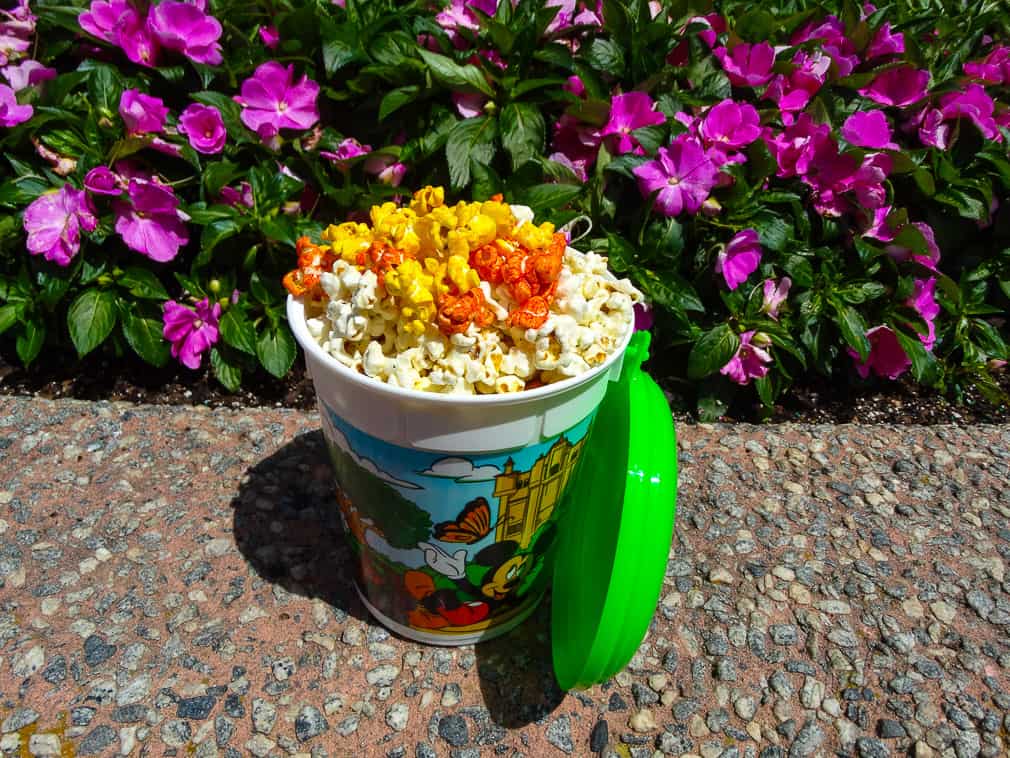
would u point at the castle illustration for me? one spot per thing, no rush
(527, 498)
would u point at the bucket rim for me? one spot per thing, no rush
(296, 320)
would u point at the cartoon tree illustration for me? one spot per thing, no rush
(400, 521)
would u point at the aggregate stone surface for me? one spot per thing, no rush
(173, 582)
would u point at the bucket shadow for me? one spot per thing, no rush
(515, 673)
(286, 524)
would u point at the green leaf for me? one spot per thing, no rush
(30, 340)
(105, 87)
(469, 140)
(228, 372)
(713, 351)
(238, 331)
(145, 335)
(276, 351)
(339, 44)
(670, 290)
(216, 232)
(924, 367)
(142, 283)
(91, 318)
(621, 254)
(265, 291)
(604, 55)
(396, 99)
(8, 317)
(216, 175)
(775, 233)
(450, 74)
(548, 197)
(756, 26)
(522, 132)
(853, 329)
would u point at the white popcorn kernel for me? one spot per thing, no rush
(509, 383)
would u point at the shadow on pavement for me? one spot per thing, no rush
(286, 525)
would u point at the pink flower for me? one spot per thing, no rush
(238, 196)
(923, 302)
(104, 19)
(792, 93)
(137, 40)
(794, 149)
(869, 129)
(348, 149)
(186, 29)
(469, 104)
(191, 331)
(270, 37)
(102, 181)
(458, 16)
(750, 360)
(142, 113)
(884, 42)
(27, 74)
(740, 258)
(682, 174)
(630, 111)
(877, 227)
(775, 295)
(932, 257)
(203, 126)
(993, 69)
(867, 183)
(974, 103)
(886, 359)
(386, 169)
(578, 141)
(575, 86)
(835, 44)
(899, 86)
(747, 65)
(271, 97)
(54, 221)
(11, 113)
(577, 167)
(730, 125)
(151, 223)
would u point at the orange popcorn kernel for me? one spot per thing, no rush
(313, 261)
(457, 311)
(381, 257)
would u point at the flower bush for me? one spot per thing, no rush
(800, 188)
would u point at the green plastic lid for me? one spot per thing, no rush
(618, 525)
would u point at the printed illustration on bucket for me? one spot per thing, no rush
(451, 548)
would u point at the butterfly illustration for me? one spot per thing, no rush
(471, 525)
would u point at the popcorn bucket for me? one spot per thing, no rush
(451, 503)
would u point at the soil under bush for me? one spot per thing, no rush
(129, 379)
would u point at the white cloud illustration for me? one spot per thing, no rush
(461, 470)
(340, 440)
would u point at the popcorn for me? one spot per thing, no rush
(473, 298)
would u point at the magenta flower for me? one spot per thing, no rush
(272, 97)
(191, 331)
(993, 69)
(740, 258)
(203, 125)
(869, 129)
(270, 37)
(151, 223)
(887, 359)
(932, 257)
(11, 113)
(899, 86)
(747, 65)
(775, 295)
(142, 113)
(885, 42)
(104, 19)
(242, 195)
(575, 86)
(923, 302)
(137, 40)
(730, 125)
(27, 74)
(458, 16)
(577, 141)
(102, 181)
(347, 150)
(798, 144)
(867, 182)
(682, 174)
(834, 43)
(750, 360)
(386, 169)
(973, 104)
(791, 93)
(578, 167)
(187, 29)
(877, 226)
(630, 111)
(54, 221)
(469, 104)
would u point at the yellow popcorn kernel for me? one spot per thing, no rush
(501, 214)
(348, 239)
(426, 199)
(534, 236)
(380, 213)
(459, 273)
(415, 291)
